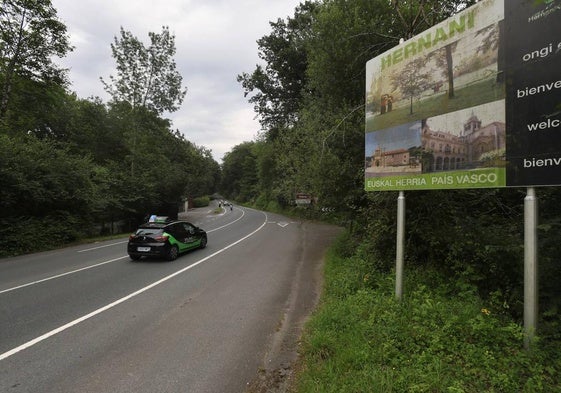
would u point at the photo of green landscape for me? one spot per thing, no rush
(462, 74)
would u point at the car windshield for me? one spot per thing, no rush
(148, 231)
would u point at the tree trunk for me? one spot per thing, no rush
(501, 55)
(450, 70)
(7, 86)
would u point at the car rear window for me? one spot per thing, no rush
(148, 231)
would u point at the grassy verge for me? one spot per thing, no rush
(440, 338)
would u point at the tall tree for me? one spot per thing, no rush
(277, 89)
(30, 35)
(146, 76)
(147, 79)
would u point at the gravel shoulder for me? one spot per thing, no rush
(280, 364)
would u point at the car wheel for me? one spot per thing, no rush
(173, 252)
(135, 257)
(203, 242)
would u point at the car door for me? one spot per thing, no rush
(179, 234)
(191, 239)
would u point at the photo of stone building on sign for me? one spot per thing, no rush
(395, 151)
(473, 144)
(467, 139)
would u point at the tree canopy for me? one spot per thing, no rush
(65, 161)
(147, 77)
(277, 90)
(30, 35)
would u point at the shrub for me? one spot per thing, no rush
(201, 201)
(26, 234)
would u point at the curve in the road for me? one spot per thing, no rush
(125, 298)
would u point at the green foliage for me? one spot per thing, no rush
(346, 35)
(83, 167)
(74, 167)
(201, 201)
(441, 338)
(38, 177)
(277, 89)
(30, 36)
(146, 76)
(36, 107)
(93, 130)
(239, 173)
(472, 235)
(26, 234)
(549, 235)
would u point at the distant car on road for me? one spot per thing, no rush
(166, 239)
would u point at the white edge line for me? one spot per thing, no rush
(60, 275)
(98, 247)
(121, 300)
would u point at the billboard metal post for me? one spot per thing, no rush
(400, 245)
(530, 266)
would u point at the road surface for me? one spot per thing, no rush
(88, 319)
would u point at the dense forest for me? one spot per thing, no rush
(309, 96)
(72, 167)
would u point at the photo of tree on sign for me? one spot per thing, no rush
(449, 68)
(411, 82)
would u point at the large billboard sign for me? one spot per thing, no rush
(473, 102)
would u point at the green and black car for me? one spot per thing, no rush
(165, 239)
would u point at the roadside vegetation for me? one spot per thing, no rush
(75, 167)
(442, 336)
(458, 328)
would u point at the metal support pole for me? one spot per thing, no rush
(400, 245)
(530, 266)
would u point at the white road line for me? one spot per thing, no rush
(224, 226)
(96, 265)
(61, 275)
(75, 322)
(107, 245)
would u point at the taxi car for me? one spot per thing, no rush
(166, 239)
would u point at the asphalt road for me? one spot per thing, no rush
(88, 319)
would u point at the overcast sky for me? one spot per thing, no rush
(215, 41)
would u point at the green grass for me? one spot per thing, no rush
(440, 338)
(476, 94)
